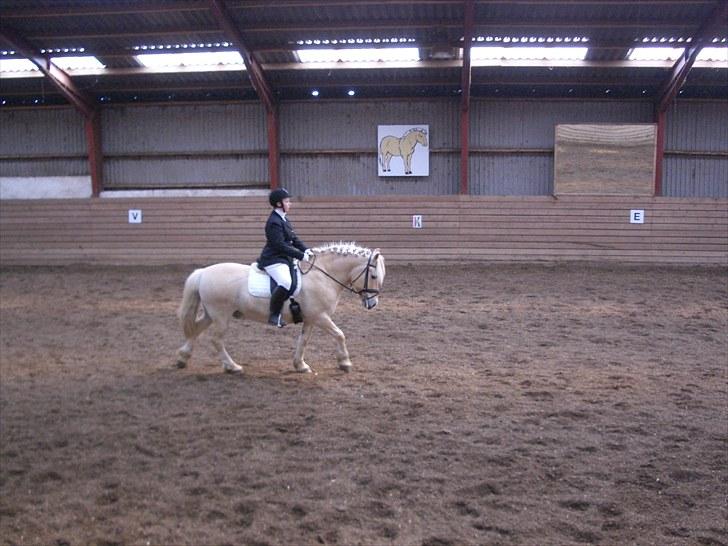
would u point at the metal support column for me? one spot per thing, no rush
(465, 97)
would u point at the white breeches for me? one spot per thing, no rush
(281, 274)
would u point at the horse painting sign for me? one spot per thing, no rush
(402, 150)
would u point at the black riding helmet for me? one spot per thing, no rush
(277, 196)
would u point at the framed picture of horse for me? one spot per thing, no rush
(402, 150)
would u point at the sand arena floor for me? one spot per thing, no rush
(571, 404)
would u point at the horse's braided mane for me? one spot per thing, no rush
(346, 249)
(412, 130)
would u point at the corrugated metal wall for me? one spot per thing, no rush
(694, 127)
(341, 138)
(511, 174)
(45, 142)
(185, 145)
(328, 147)
(526, 128)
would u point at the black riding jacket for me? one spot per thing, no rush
(282, 244)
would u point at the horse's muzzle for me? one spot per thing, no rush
(370, 303)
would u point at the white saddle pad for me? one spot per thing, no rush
(259, 282)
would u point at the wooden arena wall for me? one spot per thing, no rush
(455, 229)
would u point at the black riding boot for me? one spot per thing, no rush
(277, 298)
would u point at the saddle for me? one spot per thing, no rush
(260, 284)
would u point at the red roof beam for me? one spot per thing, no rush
(253, 67)
(58, 77)
(680, 70)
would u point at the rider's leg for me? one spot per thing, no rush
(282, 275)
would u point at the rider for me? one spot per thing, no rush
(282, 245)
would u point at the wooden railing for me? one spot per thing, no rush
(199, 231)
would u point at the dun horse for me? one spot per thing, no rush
(214, 295)
(392, 146)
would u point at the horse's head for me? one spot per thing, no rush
(421, 136)
(368, 283)
(354, 268)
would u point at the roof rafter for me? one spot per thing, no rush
(58, 77)
(680, 70)
(257, 76)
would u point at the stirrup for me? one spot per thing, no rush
(276, 320)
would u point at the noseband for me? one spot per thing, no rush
(366, 290)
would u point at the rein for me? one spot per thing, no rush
(365, 272)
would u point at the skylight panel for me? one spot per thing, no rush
(358, 55)
(77, 63)
(164, 60)
(655, 53)
(64, 63)
(488, 53)
(714, 54)
(16, 65)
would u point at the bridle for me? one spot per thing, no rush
(366, 290)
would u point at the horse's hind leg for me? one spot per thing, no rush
(184, 352)
(342, 354)
(218, 331)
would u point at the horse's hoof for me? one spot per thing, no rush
(345, 366)
(180, 364)
(303, 368)
(232, 368)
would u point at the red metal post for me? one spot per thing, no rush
(659, 149)
(465, 97)
(259, 81)
(273, 154)
(679, 73)
(464, 150)
(95, 155)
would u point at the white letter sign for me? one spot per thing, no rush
(637, 216)
(135, 216)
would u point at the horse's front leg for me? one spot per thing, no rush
(298, 363)
(408, 164)
(342, 354)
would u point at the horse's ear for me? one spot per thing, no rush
(375, 255)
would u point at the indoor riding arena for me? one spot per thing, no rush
(533, 193)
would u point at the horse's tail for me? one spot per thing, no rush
(187, 312)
